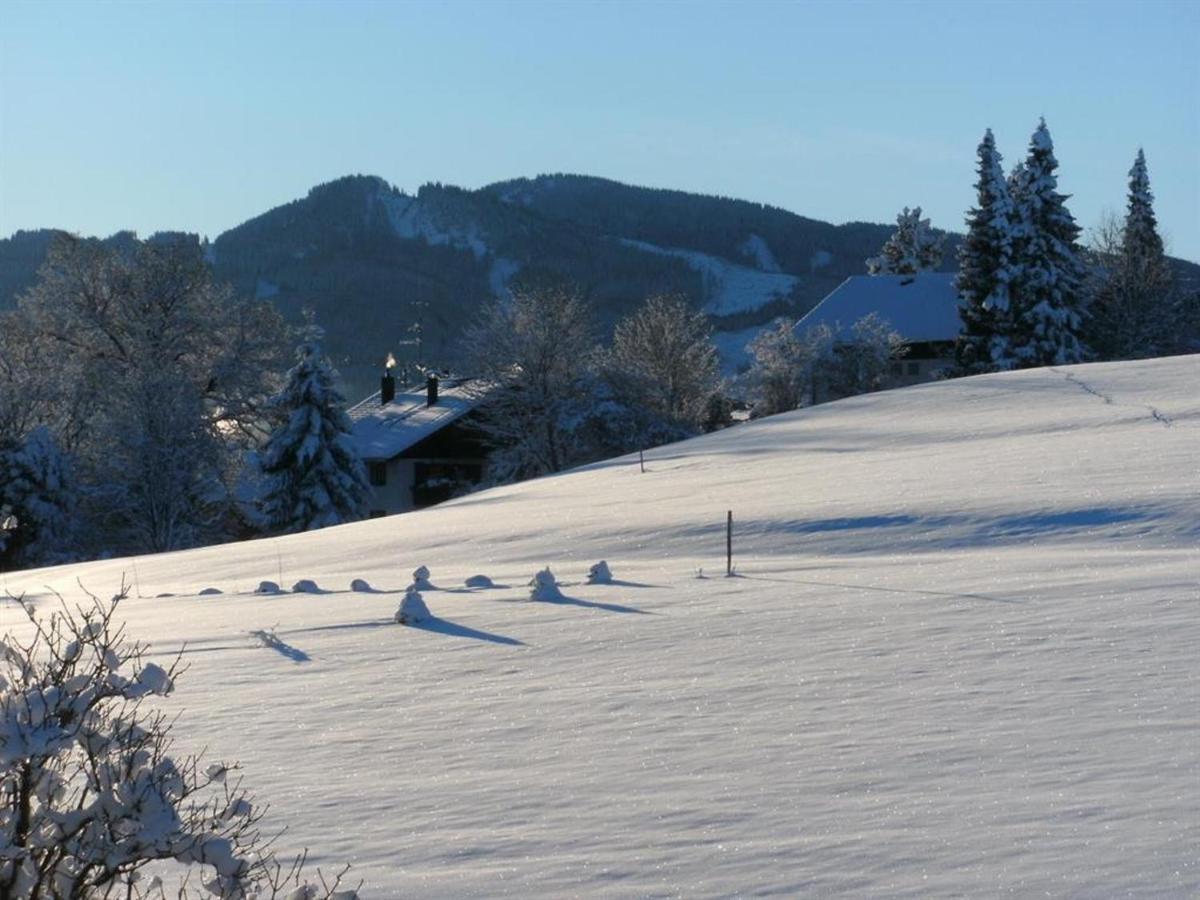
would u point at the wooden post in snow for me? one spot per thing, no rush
(642, 458)
(729, 544)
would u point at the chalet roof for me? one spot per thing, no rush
(383, 432)
(921, 307)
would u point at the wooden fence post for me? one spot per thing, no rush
(729, 544)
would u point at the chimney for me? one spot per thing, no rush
(387, 387)
(431, 389)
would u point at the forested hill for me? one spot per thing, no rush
(373, 260)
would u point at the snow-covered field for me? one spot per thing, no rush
(959, 659)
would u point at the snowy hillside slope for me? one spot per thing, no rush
(730, 288)
(959, 660)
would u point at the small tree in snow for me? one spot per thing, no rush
(90, 794)
(36, 487)
(1046, 295)
(313, 476)
(985, 265)
(913, 248)
(1135, 310)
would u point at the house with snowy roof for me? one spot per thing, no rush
(421, 445)
(923, 308)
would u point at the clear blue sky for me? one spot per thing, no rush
(197, 116)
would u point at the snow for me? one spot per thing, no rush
(731, 347)
(921, 307)
(600, 573)
(382, 432)
(411, 219)
(959, 660)
(731, 288)
(413, 610)
(757, 248)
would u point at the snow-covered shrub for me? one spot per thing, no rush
(90, 793)
(361, 586)
(413, 610)
(305, 586)
(267, 587)
(420, 580)
(600, 574)
(479, 581)
(543, 586)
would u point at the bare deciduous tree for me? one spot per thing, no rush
(663, 360)
(532, 355)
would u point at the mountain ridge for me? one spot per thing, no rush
(378, 264)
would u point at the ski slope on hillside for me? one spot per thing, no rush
(729, 287)
(959, 658)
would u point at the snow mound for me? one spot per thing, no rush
(268, 587)
(543, 586)
(600, 574)
(420, 579)
(361, 586)
(305, 586)
(209, 591)
(479, 581)
(413, 610)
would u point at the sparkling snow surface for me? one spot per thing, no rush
(961, 659)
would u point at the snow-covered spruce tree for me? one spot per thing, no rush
(985, 265)
(1135, 311)
(534, 356)
(312, 474)
(1046, 296)
(90, 793)
(36, 486)
(912, 248)
(663, 361)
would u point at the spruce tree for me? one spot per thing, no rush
(1046, 297)
(1141, 237)
(985, 267)
(313, 476)
(911, 249)
(1135, 311)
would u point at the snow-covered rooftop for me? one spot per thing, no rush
(921, 307)
(384, 431)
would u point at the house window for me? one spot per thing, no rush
(377, 473)
(914, 368)
(897, 368)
